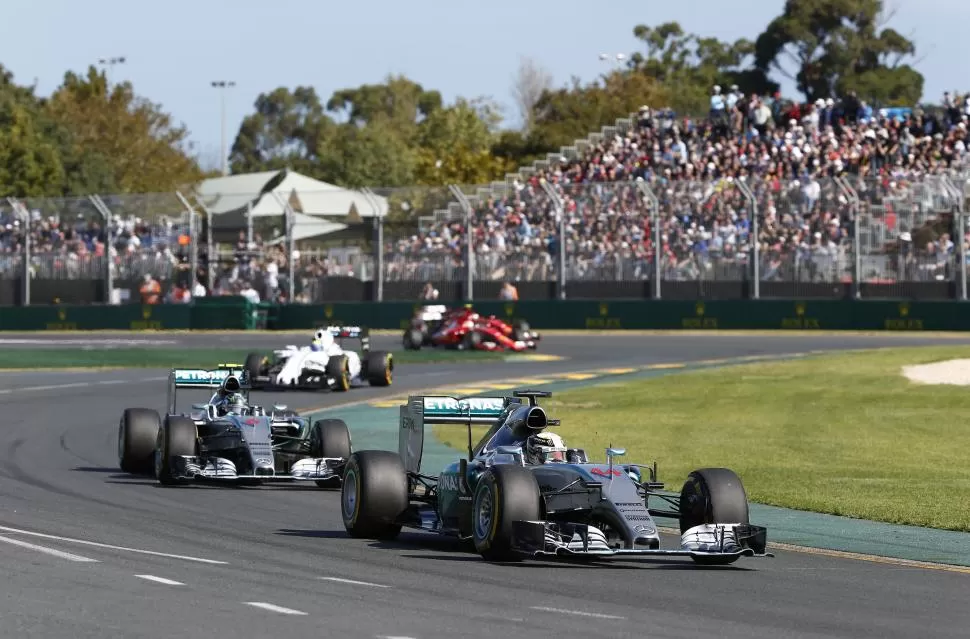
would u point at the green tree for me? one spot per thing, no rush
(288, 129)
(455, 144)
(688, 65)
(29, 163)
(831, 47)
(572, 112)
(116, 140)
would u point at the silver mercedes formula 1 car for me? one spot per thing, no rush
(228, 439)
(522, 493)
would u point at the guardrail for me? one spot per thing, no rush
(236, 313)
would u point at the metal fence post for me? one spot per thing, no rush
(209, 244)
(108, 273)
(193, 241)
(650, 196)
(961, 231)
(290, 220)
(853, 197)
(469, 248)
(379, 249)
(755, 253)
(557, 202)
(20, 209)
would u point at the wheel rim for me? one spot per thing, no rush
(388, 375)
(483, 514)
(349, 497)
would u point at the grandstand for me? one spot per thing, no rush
(827, 197)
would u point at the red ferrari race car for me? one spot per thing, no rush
(464, 329)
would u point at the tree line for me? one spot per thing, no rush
(92, 137)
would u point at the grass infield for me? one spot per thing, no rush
(169, 357)
(843, 434)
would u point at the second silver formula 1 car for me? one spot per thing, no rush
(228, 439)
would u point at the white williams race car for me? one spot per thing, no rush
(324, 364)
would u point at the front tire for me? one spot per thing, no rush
(178, 436)
(713, 496)
(338, 369)
(254, 365)
(330, 438)
(137, 432)
(504, 495)
(374, 494)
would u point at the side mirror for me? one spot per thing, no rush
(615, 452)
(279, 407)
(199, 406)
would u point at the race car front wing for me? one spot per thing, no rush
(561, 539)
(219, 469)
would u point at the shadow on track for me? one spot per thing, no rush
(450, 549)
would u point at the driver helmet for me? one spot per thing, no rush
(235, 404)
(546, 447)
(322, 340)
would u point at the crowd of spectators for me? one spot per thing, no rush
(786, 154)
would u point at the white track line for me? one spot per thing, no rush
(161, 580)
(48, 387)
(356, 583)
(274, 608)
(49, 551)
(110, 547)
(563, 611)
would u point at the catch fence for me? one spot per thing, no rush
(848, 236)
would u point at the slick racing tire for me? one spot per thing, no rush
(254, 364)
(137, 432)
(713, 496)
(413, 339)
(178, 436)
(471, 341)
(330, 438)
(521, 330)
(504, 494)
(379, 368)
(338, 369)
(374, 494)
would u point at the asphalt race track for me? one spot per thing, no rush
(90, 552)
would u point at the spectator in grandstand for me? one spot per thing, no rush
(150, 290)
(429, 292)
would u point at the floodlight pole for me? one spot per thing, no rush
(222, 85)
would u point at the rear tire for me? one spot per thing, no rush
(254, 364)
(413, 339)
(713, 496)
(330, 438)
(178, 436)
(504, 494)
(380, 368)
(137, 432)
(338, 369)
(374, 494)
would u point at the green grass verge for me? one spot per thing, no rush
(844, 434)
(165, 357)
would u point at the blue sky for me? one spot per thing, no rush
(176, 48)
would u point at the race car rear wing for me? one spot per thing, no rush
(422, 410)
(233, 376)
(351, 332)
